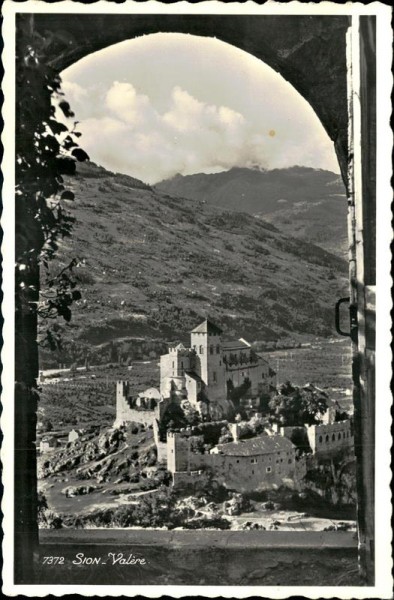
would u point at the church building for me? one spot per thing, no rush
(203, 373)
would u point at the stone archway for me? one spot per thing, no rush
(296, 47)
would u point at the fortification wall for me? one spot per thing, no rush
(125, 414)
(160, 446)
(328, 438)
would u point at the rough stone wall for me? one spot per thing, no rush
(124, 411)
(241, 473)
(186, 478)
(170, 374)
(177, 452)
(257, 373)
(192, 390)
(161, 447)
(248, 473)
(287, 432)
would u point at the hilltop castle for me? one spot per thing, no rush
(201, 375)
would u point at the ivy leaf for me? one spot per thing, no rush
(66, 165)
(57, 127)
(68, 143)
(80, 154)
(65, 107)
(68, 195)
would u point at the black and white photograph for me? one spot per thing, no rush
(196, 391)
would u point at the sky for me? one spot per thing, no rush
(171, 103)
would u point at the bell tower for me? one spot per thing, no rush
(206, 341)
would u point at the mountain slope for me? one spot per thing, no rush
(153, 265)
(306, 203)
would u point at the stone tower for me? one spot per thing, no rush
(207, 342)
(178, 452)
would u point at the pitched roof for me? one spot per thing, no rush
(193, 375)
(207, 327)
(264, 444)
(235, 345)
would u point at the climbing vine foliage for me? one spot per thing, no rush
(46, 150)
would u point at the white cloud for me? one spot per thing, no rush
(123, 100)
(127, 133)
(74, 91)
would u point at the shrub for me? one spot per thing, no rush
(208, 523)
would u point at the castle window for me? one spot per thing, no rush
(214, 376)
(327, 438)
(237, 461)
(253, 461)
(210, 349)
(218, 349)
(339, 436)
(333, 437)
(252, 472)
(320, 439)
(289, 461)
(201, 349)
(268, 469)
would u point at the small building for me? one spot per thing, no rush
(258, 463)
(73, 435)
(48, 444)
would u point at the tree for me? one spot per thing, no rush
(295, 406)
(300, 440)
(240, 392)
(173, 418)
(46, 150)
(264, 403)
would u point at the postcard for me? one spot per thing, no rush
(196, 253)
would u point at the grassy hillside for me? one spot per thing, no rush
(306, 203)
(152, 265)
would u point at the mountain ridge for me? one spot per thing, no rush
(153, 265)
(305, 202)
